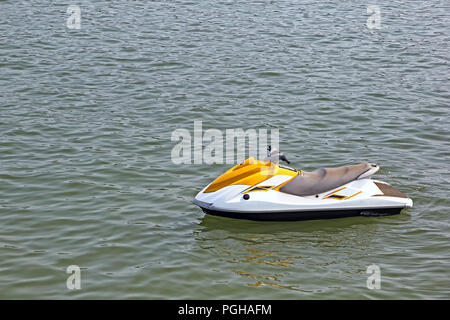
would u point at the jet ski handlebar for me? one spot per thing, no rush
(283, 158)
(273, 155)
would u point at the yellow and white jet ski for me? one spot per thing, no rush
(265, 190)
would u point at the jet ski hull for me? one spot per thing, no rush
(303, 215)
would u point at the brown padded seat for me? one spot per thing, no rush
(324, 179)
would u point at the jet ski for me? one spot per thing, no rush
(265, 190)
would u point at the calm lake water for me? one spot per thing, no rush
(86, 118)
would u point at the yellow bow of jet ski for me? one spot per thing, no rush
(265, 190)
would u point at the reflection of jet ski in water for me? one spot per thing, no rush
(264, 190)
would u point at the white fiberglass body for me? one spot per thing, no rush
(275, 198)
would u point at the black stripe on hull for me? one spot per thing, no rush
(303, 215)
